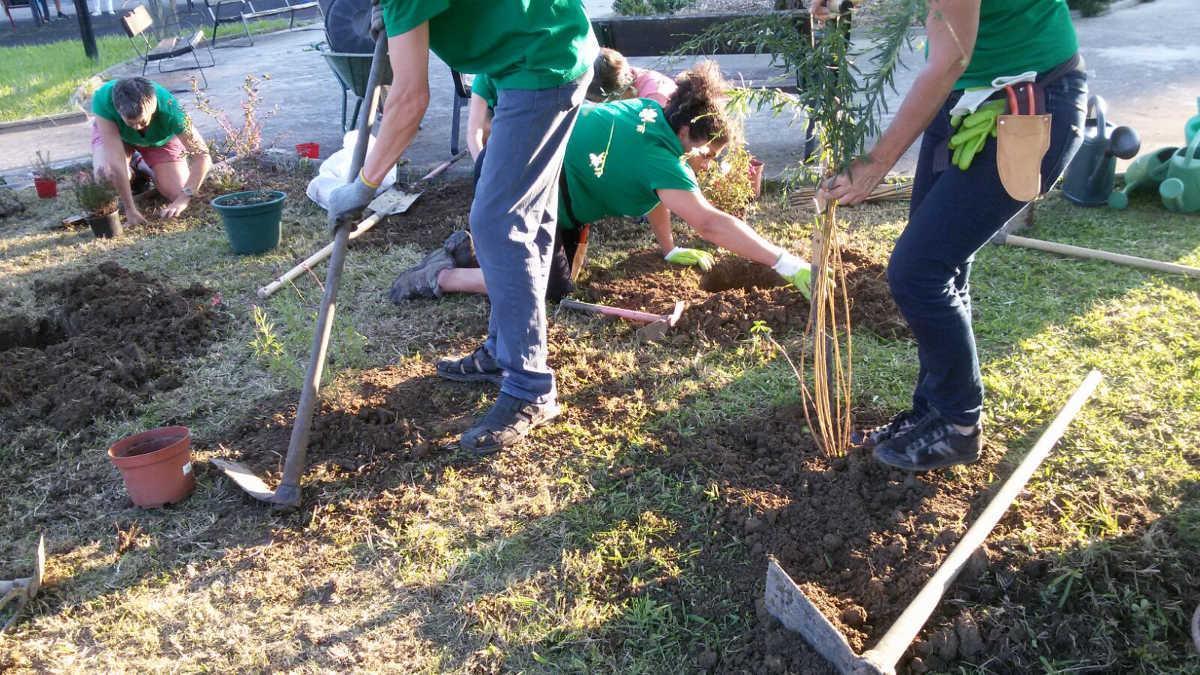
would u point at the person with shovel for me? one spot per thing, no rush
(1000, 104)
(135, 115)
(625, 158)
(539, 54)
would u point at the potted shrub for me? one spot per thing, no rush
(251, 219)
(44, 181)
(99, 202)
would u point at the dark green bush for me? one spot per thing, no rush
(644, 7)
(1089, 7)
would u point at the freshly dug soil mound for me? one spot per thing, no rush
(395, 414)
(114, 338)
(726, 301)
(859, 538)
(441, 209)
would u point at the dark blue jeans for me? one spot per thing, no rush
(953, 214)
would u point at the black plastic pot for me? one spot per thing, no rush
(106, 226)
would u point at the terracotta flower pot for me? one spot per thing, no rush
(47, 188)
(156, 465)
(756, 175)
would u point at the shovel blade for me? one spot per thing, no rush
(392, 202)
(786, 602)
(244, 478)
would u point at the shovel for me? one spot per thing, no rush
(287, 495)
(390, 203)
(21, 591)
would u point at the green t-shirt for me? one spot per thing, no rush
(1016, 36)
(619, 154)
(483, 87)
(532, 44)
(168, 121)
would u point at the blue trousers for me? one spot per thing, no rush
(513, 219)
(953, 214)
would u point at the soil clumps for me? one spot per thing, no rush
(113, 339)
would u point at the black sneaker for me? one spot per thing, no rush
(508, 422)
(461, 249)
(932, 443)
(478, 366)
(900, 423)
(420, 280)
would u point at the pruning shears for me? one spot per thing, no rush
(1014, 99)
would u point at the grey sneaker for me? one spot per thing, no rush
(478, 366)
(932, 443)
(461, 249)
(420, 280)
(900, 423)
(508, 422)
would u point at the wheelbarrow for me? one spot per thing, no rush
(351, 71)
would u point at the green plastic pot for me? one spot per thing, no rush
(251, 228)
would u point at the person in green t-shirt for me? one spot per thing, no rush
(539, 54)
(957, 206)
(135, 115)
(630, 158)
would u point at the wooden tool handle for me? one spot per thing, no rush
(1095, 254)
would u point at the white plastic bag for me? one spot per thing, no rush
(335, 171)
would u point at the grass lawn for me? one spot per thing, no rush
(631, 536)
(39, 80)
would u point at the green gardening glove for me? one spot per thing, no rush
(691, 256)
(973, 132)
(797, 272)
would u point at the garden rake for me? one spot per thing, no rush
(287, 495)
(787, 602)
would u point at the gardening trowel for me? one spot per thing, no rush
(287, 495)
(21, 591)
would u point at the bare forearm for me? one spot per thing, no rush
(660, 224)
(401, 119)
(198, 168)
(918, 109)
(734, 235)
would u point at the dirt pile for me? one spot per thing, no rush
(725, 302)
(442, 208)
(112, 339)
(858, 537)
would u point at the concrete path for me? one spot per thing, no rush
(1144, 60)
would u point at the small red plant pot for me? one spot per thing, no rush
(156, 466)
(309, 150)
(756, 175)
(47, 188)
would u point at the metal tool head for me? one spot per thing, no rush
(657, 330)
(284, 498)
(392, 201)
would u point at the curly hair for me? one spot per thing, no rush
(611, 76)
(699, 103)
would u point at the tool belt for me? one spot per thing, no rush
(1023, 135)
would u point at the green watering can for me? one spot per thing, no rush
(1145, 172)
(1181, 190)
(1193, 125)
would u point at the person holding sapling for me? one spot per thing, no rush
(625, 158)
(539, 54)
(140, 122)
(964, 191)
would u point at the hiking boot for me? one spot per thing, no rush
(932, 443)
(461, 249)
(900, 423)
(420, 280)
(508, 422)
(478, 366)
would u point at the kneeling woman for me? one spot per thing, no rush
(626, 158)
